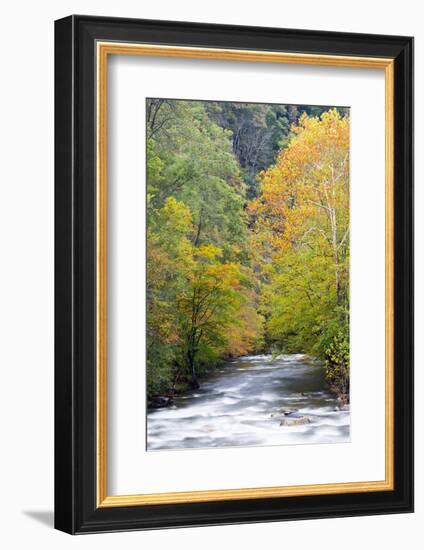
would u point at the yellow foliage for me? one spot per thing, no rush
(307, 190)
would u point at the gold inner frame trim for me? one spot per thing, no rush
(103, 50)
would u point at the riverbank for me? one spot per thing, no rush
(181, 388)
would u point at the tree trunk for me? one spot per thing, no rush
(190, 359)
(334, 242)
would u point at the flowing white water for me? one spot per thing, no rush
(243, 404)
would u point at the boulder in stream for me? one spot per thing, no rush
(295, 421)
(159, 401)
(284, 412)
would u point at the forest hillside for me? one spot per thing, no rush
(248, 237)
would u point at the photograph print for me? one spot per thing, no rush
(247, 287)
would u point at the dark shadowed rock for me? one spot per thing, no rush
(159, 401)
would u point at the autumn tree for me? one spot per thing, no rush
(303, 209)
(247, 236)
(198, 290)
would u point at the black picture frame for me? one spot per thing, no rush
(76, 510)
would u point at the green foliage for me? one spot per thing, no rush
(258, 132)
(239, 256)
(299, 301)
(200, 300)
(337, 364)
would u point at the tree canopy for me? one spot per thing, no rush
(248, 236)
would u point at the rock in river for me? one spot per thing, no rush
(159, 401)
(295, 421)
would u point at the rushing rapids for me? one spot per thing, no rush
(253, 400)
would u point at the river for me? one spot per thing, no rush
(253, 400)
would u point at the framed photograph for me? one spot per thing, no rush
(234, 274)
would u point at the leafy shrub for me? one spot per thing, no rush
(337, 359)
